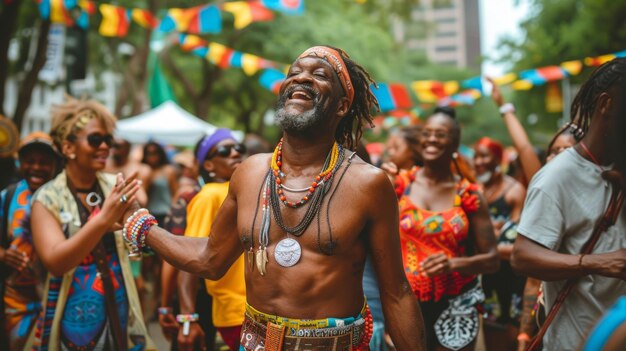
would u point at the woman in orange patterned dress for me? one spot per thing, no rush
(447, 238)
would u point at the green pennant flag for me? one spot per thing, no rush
(159, 90)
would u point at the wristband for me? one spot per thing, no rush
(186, 320)
(506, 108)
(523, 337)
(580, 260)
(165, 311)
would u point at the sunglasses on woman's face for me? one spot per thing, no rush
(225, 150)
(95, 140)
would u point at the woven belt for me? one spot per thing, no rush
(295, 325)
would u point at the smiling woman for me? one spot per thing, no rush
(446, 237)
(90, 296)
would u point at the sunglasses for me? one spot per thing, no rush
(96, 139)
(225, 150)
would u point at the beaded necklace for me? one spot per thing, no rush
(287, 252)
(327, 172)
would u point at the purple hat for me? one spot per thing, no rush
(209, 141)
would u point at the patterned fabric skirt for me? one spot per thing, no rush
(453, 322)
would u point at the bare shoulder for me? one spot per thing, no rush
(516, 190)
(368, 178)
(368, 190)
(252, 169)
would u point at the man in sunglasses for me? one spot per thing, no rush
(120, 162)
(305, 218)
(18, 288)
(217, 155)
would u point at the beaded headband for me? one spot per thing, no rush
(333, 57)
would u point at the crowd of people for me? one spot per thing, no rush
(307, 245)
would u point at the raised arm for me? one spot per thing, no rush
(400, 307)
(528, 158)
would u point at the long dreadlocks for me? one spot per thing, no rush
(350, 128)
(584, 104)
(600, 81)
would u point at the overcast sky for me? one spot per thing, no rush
(497, 19)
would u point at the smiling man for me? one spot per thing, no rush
(37, 160)
(305, 218)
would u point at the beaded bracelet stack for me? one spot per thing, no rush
(136, 230)
(185, 320)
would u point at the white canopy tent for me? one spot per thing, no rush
(168, 124)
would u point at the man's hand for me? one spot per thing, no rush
(169, 326)
(14, 258)
(195, 337)
(610, 264)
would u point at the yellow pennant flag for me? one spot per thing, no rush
(572, 67)
(241, 11)
(554, 100)
(505, 79)
(450, 87)
(250, 64)
(216, 51)
(114, 21)
(522, 85)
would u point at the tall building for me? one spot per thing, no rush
(448, 31)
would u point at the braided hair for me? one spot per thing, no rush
(600, 81)
(350, 128)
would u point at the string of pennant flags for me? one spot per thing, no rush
(204, 19)
(207, 19)
(397, 96)
(466, 92)
(226, 57)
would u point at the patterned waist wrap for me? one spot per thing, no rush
(264, 332)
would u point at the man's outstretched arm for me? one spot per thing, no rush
(403, 316)
(207, 257)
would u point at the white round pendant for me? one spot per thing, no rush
(287, 252)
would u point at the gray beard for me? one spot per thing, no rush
(299, 122)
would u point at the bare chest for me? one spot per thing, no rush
(330, 226)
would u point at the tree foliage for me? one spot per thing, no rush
(558, 31)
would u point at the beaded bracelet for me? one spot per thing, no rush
(136, 230)
(163, 311)
(186, 320)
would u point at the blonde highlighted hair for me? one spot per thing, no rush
(73, 115)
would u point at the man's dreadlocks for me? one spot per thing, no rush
(600, 81)
(350, 128)
(584, 104)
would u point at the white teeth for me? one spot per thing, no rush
(300, 95)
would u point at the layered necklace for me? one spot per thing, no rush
(288, 251)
